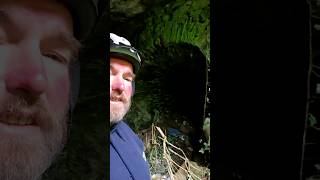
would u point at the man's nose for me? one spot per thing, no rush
(117, 85)
(26, 73)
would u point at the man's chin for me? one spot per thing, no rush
(26, 152)
(117, 113)
(114, 121)
(23, 157)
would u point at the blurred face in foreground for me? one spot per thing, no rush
(36, 47)
(121, 79)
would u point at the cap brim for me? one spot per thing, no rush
(126, 57)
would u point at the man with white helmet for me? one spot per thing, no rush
(127, 159)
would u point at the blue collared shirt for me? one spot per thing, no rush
(127, 155)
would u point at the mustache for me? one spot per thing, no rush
(19, 111)
(118, 97)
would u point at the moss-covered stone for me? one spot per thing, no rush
(126, 8)
(173, 33)
(179, 21)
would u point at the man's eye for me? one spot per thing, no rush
(56, 57)
(130, 79)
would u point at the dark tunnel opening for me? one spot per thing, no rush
(178, 74)
(185, 82)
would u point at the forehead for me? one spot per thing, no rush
(29, 12)
(120, 64)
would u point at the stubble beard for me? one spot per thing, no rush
(117, 112)
(25, 157)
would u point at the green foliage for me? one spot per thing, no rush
(206, 146)
(155, 154)
(178, 22)
(312, 121)
(206, 129)
(156, 161)
(139, 116)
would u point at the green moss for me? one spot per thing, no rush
(127, 8)
(178, 22)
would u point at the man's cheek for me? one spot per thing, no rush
(58, 88)
(60, 92)
(129, 90)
